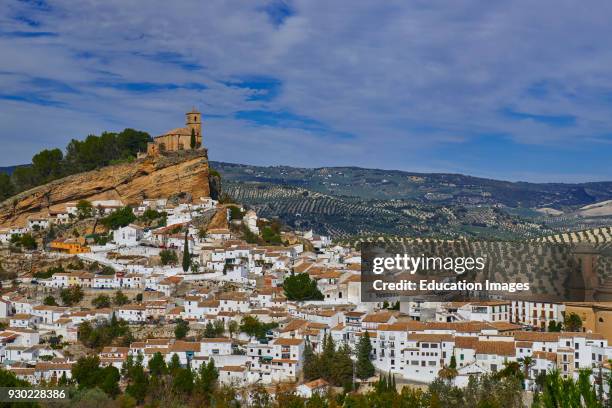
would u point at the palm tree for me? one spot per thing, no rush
(526, 363)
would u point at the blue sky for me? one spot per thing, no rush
(516, 90)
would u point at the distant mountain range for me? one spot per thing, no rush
(345, 201)
(8, 170)
(353, 201)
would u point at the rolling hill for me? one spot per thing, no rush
(349, 201)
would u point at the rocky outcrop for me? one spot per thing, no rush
(181, 174)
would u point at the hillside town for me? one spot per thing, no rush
(229, 301)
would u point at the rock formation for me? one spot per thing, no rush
(180, 174)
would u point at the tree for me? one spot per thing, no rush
(364, 367)
(88, 374)
(554, 326)
(50, 301)
(181, 329)
(7, 188)
(168, 257)
(219, 327)
(182, 381)
(175, 363)
(47, 165)
(27, 241)
(157, 365)
(526, 363)
(251, 326)
(120, 298)
(301, 287)
(453, 362)
(311, 363)
(207, 379)
(84, 209)
(209, 331)
(342, 368)
(186, 254)
(101, 302)
(71, 295)
(192, 141)
(232, 327)
(260, 398)
(104, 334)
(328, 356)
(119, 218)
(137, 379)
(572, 322)
(270, 236)
(110, 380)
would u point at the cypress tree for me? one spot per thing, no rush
(186, 255)
(365, 368)
(311, 363)
(328, 357)
(192, 142)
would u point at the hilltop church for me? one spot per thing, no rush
(179, 138)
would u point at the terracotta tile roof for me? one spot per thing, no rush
(235, 369)
(294, 325)
(402, 326)
(545, 355)
(380, 317)
(318, 383)
(185, 346)
(500, 348)
(537, 336)
(287, 342)
(466, 342)
(430, 338)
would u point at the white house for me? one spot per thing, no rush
(129, 235)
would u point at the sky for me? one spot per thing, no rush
(514, 90)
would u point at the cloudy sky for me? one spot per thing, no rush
(518, 90)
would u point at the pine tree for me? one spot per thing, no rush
(175, 363)
(342, 368)
(207, 379)
(138, 380)
(157, 365)
(364, 368)
(186, 255)
(327, 357)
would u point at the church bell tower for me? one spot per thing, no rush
(194, 121)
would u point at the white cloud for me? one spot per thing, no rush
(404, 78)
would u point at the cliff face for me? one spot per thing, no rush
(184, 174)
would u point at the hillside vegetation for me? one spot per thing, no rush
(346, 202)
(80, 155)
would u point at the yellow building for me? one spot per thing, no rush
(68, 246)
(596, 317)
(179, 138)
